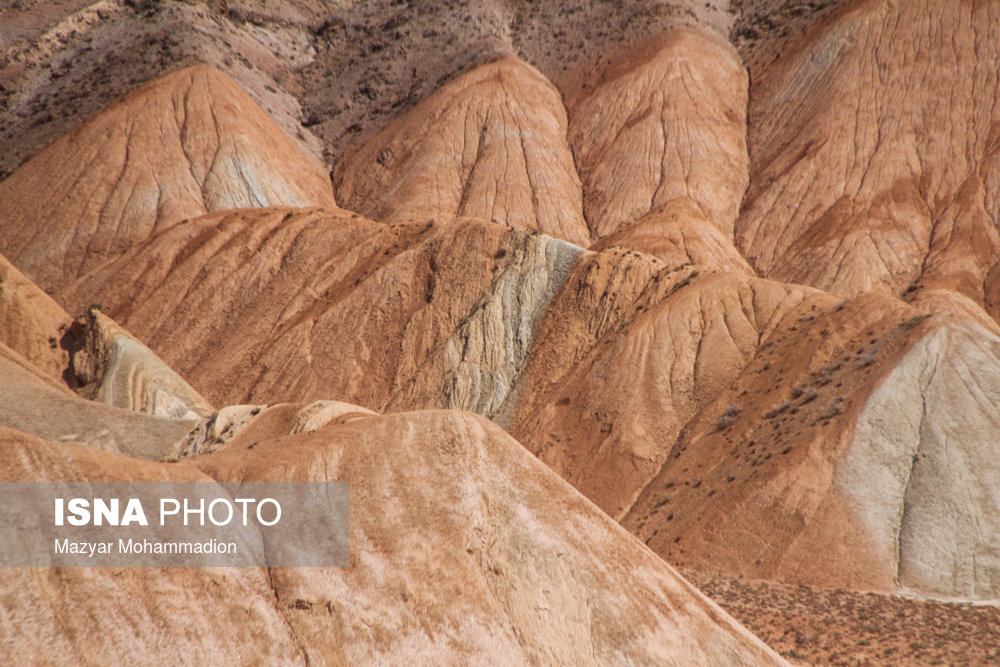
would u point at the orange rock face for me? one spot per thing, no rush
(377, 285)
(679, 233)
(483, 539)
(506, 560)
(663, 122)
(31, 323)
(185, 144)
(664, 310)
(609, 422)
(874, 153)
(626, 374)
(491, 145)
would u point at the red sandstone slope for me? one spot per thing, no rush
(615, 368)
(679, 233)
(31, 323)
(664, 121)
(511, 605)
(521, 567)
(512, 573)
(607, 365)
(185, 144)
(64, 60)
(874, 145)
(328, 304)
(803, 425)
(490, 144)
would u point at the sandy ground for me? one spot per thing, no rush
(836, 627)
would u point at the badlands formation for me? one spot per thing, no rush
(570, 294)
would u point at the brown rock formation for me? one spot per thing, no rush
(32, 325)
(870, 468)
(678, 232)
(185, 144)
(606, 411)
(91, 355)
(498, 552)
(623, 373)
(785, 368)
(665, 121)
(324, 297)
(505, 567)
(491, 144)
(64, 60)
(874, 152)
(508, 555)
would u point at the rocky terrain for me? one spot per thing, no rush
(839, 627)
(611, 289)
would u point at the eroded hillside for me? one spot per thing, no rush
(716, 281)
